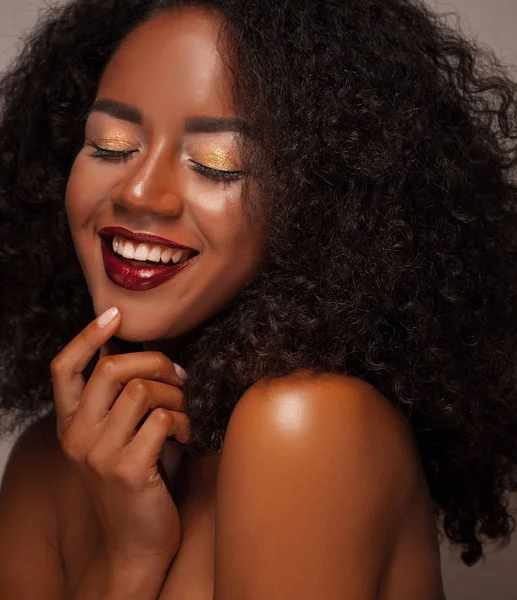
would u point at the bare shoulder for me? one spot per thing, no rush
(28, 515)
(35, 465)
(36, 452)
(333, 412)
(315, 468)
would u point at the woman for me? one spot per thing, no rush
(268, 252)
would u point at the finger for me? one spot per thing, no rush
(143, 451)
(67, 367)
(112, 373)
(136, 400)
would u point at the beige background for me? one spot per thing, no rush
(494, 23)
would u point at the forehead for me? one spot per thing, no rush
(171, 64)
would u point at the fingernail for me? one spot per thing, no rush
(107, 316)
(180, 371)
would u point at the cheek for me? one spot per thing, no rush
(221, 218)
(86, 187)
(247, 231)
(247, 237)
(243, 245)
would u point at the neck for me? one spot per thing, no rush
(173, 349)
(176, 349)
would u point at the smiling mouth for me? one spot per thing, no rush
(163, 257)
(139, 275)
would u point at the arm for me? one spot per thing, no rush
(314, 479)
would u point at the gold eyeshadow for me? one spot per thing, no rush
(218, 158)
(115, 142)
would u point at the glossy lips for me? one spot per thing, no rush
(135, 278)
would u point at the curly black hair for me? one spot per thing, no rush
(385, 150)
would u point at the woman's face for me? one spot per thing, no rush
(157, 139)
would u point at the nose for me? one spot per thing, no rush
(150, 185)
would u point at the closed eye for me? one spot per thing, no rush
(125, 155)
(216, 174)
(112, 155)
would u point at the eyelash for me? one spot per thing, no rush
(113, 155)
(124, 156)
(215, 174)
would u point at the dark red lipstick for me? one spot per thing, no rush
(133, 277)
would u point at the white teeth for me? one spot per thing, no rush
(128, 250)
(155, 254)
(141, 252)
(147, 252)
(166, 255)
(176, 257)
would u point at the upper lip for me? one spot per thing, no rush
(143, 237)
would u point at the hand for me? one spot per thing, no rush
(118, 464)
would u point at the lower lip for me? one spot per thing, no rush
(137, 279)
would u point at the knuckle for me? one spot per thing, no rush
(162, 416)
(107, 366)
(57, 364)
(138, 389)
(159, 361)
(93, 460)
(158, 357)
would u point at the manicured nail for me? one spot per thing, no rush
(180, 371)
(107, 316)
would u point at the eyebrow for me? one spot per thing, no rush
(119, 110)
(126, 112)
(214, 124)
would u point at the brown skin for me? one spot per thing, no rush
(96, 424)
(320, 494)
(171, 69)
(318, 491)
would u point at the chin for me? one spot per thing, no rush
(136, 333)
(140, 330)
(137, 325)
